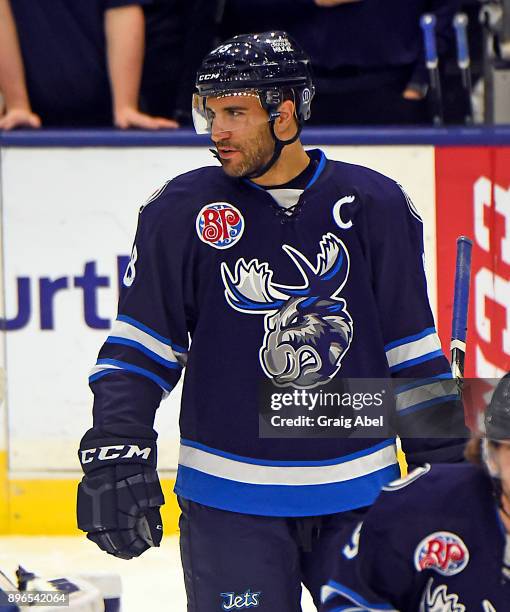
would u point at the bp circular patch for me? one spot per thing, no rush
(443, 552)
(220, 225)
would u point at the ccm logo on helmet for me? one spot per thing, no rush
(104, 453)
(206, 77)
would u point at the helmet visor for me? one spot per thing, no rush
(230, 111)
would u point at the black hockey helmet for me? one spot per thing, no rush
(497, 415)
(267, 63)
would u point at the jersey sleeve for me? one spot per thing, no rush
(143, 356)
(369, 575)
(429, 414)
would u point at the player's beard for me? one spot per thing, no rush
(254, 154)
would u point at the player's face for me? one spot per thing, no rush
(241, 133)
(502, 459)
(499, 464)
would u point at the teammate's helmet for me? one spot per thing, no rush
(497, 415)
(497, 432)
(269, 64)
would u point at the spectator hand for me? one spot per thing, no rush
(415, 92)
(19, 117)
(132, 118)
(326, 3)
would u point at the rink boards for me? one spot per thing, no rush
(69, 212)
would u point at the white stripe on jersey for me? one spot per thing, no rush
(410, 204)
(413, 350)
(432, 391)
(250, 473)
(102, 368)
(122, 329)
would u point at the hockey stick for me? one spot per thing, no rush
(460, 307)
(428, 25)
(460, 22)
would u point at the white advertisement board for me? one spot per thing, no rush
(69, 219)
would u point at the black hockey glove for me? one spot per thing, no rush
(120, 495)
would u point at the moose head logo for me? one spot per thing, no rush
(307, 328)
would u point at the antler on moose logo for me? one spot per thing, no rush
(308, 329)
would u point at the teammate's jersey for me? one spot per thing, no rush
(433, 543)
(337, 288)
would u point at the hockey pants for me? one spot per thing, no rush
(235, 561)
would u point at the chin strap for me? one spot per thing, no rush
(215, 154)
(278, 148)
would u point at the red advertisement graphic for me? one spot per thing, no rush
(473, 198)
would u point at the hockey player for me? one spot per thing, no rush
(438, 540)
(284, 269)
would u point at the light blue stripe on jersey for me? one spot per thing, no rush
(146, 351)
(102, 373)
(282, 500)
(120, 366)
(335, 588)
(407, 339)
(318, 171)
(284, 488)
(430, 392)
(151, 332)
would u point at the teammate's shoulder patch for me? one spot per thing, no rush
(401, 483)
(442, 551)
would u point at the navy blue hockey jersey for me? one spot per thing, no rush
(431, 543)
(224, 284)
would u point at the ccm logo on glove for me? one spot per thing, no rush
(105, 453)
